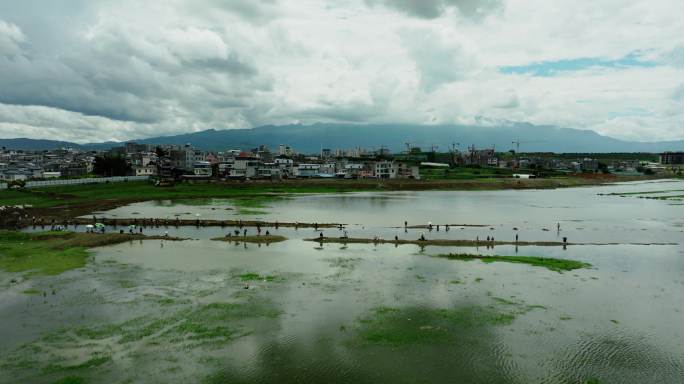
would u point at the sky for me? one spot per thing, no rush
(99, 70)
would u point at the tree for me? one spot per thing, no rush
(109, 165)
(160, 152)
(17, 184)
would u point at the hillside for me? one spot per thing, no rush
(311, 138)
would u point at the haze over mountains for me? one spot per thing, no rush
(311, 138)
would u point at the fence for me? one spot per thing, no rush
(94, 180)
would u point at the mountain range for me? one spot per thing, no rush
(312, 138)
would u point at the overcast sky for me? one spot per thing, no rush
(95, 70)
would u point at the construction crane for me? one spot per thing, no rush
(518, 142)
(517, 149)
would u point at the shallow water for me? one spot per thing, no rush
(146, 311)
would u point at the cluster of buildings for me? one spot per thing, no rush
(488, 157)
(189, 163)
(186, 162)
(31, 165)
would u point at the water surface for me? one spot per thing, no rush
(159, 311)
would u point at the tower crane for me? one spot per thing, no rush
(517, 143)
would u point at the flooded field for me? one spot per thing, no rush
(295, 311)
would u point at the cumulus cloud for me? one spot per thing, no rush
(90, 70)
(439, 59)
(430, 9)
(676, 57)
(11, 38)
(678, 94)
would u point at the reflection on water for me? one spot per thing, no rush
(201, 310)
(619, 356)
(584, 214)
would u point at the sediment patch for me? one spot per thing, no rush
(267, 239)
(458, 242)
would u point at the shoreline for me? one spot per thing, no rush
(63, 204)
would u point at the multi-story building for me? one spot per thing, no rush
(307, 170)
(202, 169)
(385, 170)
(245, 166)
(672, 158)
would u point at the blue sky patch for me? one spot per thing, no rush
(552, 68)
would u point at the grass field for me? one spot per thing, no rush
(75, 194)
(456, 179)
(51, 253)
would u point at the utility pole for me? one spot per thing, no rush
(453, 152)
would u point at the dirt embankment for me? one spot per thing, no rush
(265, 239)
(12, 217)
(457, 243)
(157, 223)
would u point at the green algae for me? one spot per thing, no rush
(256, 277)
(201, 326)
(254, 205)
(32, 292)
(429, 326)
(556, 265)
(501, 300)
(90, 363)
(71, 380)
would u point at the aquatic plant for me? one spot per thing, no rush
(203, 326)
(255, 276)
(557, 265)
(420, 325)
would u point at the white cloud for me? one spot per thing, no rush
(11, 38)
(102, 70)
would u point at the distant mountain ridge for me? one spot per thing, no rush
(34, 144)
(311, 138)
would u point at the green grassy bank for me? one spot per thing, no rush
(52, 253)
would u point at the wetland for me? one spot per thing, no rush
(580, 285)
